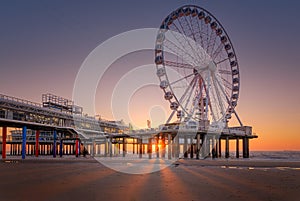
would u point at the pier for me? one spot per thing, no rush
(57, 127)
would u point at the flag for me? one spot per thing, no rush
(149, 123)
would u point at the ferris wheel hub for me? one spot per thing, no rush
(212, 66)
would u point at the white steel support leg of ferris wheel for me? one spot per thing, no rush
(171, 116)
(182, 97)
(193, 84)
(222, 107)
(207, 94)
(204, 146)
(208, 99)
(202, 116)
(235, 113)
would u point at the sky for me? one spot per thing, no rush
(44, 43)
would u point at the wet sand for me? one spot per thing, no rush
(86, 179)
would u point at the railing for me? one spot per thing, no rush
(80, 118)
(18, 100)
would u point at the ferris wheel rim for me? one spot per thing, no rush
(224, 33)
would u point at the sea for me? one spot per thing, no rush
(272, 155)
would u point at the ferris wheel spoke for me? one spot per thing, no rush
(217, 51)
(190, 27)
(181, 33)
(211, 43)
(207, 37)
(226, 83)
(181, 25)
(218, 94)
(206, 86)
(178, 65)
(193, 28)
(201, 32)
(223, 91)
(184, 95)
(200, 49)
(188, 107)
(183, 78)
(227, 72)
(197, 51)
(222, 61)
(198, 33)
(178, 51)
(187, 40)
(199, 55)
(196, 101)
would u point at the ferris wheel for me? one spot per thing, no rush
(197, 66)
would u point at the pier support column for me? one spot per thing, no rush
(163, 147)
(227, 148)
(61, 148)
(116, 149)
(204, 145)
(27, 149)
(169, 147)
(68, 149)
(150, 148)
(37, 136)
(237, 148)
(76, 147)
(140, 147)
(24, 132)
(220, 147)
(124, 147)
(54, 144)
(245, 147)
(133, 146)
(247, 140)
(198, 146)
(105, 147)
(192, 148)
(185, 147)
(93, 148)
(214, 147)
(110, 147)
(4, 134)
(217, 147)
(157, 147)
(177, 146)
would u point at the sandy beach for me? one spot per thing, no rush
(87, 179)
